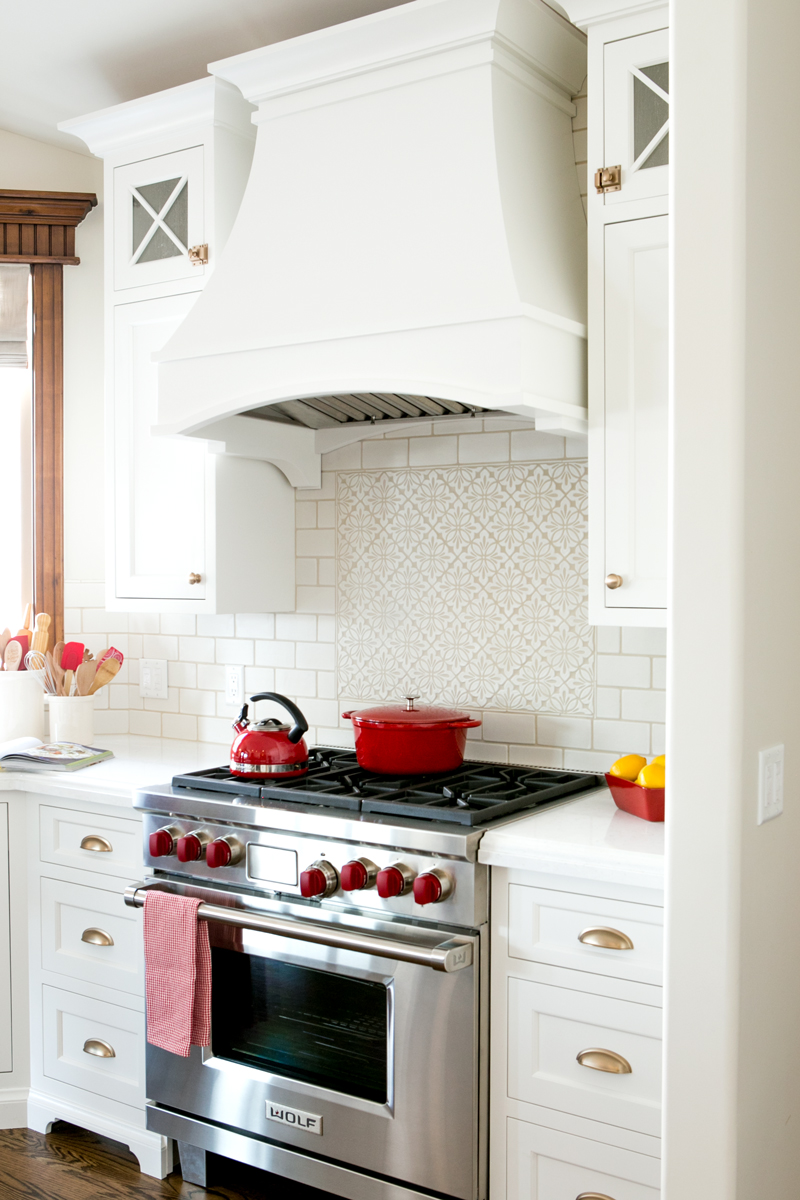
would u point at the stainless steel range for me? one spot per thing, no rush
(348, 917)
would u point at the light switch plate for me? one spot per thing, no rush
(153, 683)
(770, 784)
(234, 684)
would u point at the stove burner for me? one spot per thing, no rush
(471, 795)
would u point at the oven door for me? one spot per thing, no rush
(341, 1053)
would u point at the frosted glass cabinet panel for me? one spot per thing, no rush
(636, 115)
(158, 215)
(635, 418)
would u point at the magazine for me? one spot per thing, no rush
(30, 754)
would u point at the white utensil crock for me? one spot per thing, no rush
(21, 705)
(72, 719)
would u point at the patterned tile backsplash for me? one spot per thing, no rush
(451, 561)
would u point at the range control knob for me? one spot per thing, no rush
(192, 847)
(432, 886)
(358, 874)
(395, 881)
(224, 852)
(164, 841)
(319, 880)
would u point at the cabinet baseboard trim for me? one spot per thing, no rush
(153, 1151)
(13, 1108)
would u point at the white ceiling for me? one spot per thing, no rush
(71, 59)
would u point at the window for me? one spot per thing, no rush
(16, 582)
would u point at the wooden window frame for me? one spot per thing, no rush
(38, 228)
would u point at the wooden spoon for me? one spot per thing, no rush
(105, 673)
(13, 656)
(5, 638)
(42, 635)
(27, 621)
(84, 678)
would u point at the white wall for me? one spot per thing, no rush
(732, 1087)
(25, 163)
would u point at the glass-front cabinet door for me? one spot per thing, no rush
(158, 216)
(636, 115)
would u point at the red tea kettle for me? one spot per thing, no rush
(269, 749)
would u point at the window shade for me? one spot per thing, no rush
(14, 278)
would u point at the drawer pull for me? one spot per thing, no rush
(93, 841)
(98, 1048)
(97, 937)
(605, 1060)
(609, 939)
(594, 1196)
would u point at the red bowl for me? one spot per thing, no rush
(647, 803)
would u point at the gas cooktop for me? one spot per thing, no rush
(471, 795)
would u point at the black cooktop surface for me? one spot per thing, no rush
(470, 795)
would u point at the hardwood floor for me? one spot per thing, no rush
(72, 1164)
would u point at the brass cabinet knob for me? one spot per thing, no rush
(93, 841)
(97, 937)
(613, 581)
(604, 1060)
(609, 939)
(194, 577)
(98, 1048)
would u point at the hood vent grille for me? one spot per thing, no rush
(330, 412)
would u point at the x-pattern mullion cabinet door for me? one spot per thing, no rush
(636, 117)
(158, 216)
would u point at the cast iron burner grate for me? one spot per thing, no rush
(470, 795)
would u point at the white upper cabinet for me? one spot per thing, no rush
(636, 117)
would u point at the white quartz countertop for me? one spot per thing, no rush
(138, 762)
(588, 838)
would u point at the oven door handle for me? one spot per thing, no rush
(453, 955)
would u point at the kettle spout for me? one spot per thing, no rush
(241, 722)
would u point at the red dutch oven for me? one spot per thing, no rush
(392, 740)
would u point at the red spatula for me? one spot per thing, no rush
(71, 659)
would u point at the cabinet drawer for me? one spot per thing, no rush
(70, 910)
(545, 926)
(544, 1164)
(549, 1026)
(70, 1022)
(62, 831)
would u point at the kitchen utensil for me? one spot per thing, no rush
(87, 654)
(647, 803)
(27, 623)
(21, 640)
(37, 663)
(396, 740)
(5, 638)
(270, 748)
(104, 674)
(84, 678)
(72, 719)
(13, 655)
(112, 652)
(42, 635)
(71, 659)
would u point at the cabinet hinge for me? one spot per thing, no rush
(607, 179)
(198, 255)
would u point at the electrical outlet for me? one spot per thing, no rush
(153, 678)
(234, 685)
(770, 784)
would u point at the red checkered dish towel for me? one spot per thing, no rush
(177, 973)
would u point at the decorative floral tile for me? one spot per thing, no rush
(466, 585)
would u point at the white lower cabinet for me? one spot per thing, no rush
(545, 1164)
(89, 934)
(94, 1045)
(6, 1053)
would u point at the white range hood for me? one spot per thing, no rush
(411, 231)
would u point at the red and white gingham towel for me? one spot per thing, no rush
(177, 959)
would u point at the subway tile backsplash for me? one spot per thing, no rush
(556, 693)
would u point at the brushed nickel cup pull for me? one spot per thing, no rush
(609, 939)
(98, 1048)
(97, 937)
(594, 1196)
(604, 1060)
(613, 581)
(194, 577)
(93, 841)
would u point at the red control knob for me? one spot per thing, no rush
(218, 853)
(190, 848)
(427, 889)
(312, 883)
(394, 881)
(354, 876)
(162, 844)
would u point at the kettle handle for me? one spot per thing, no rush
(300, 723)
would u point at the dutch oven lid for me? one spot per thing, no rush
(393, 716)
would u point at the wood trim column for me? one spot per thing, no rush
(48, 444)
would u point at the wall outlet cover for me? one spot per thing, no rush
(234, 685)
(153, 681)
(770, 784)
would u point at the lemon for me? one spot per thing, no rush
(661, 761)
(628, 767)
(652, 776)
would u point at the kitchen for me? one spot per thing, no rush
(601, 694)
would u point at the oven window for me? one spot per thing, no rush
(316, 1026)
